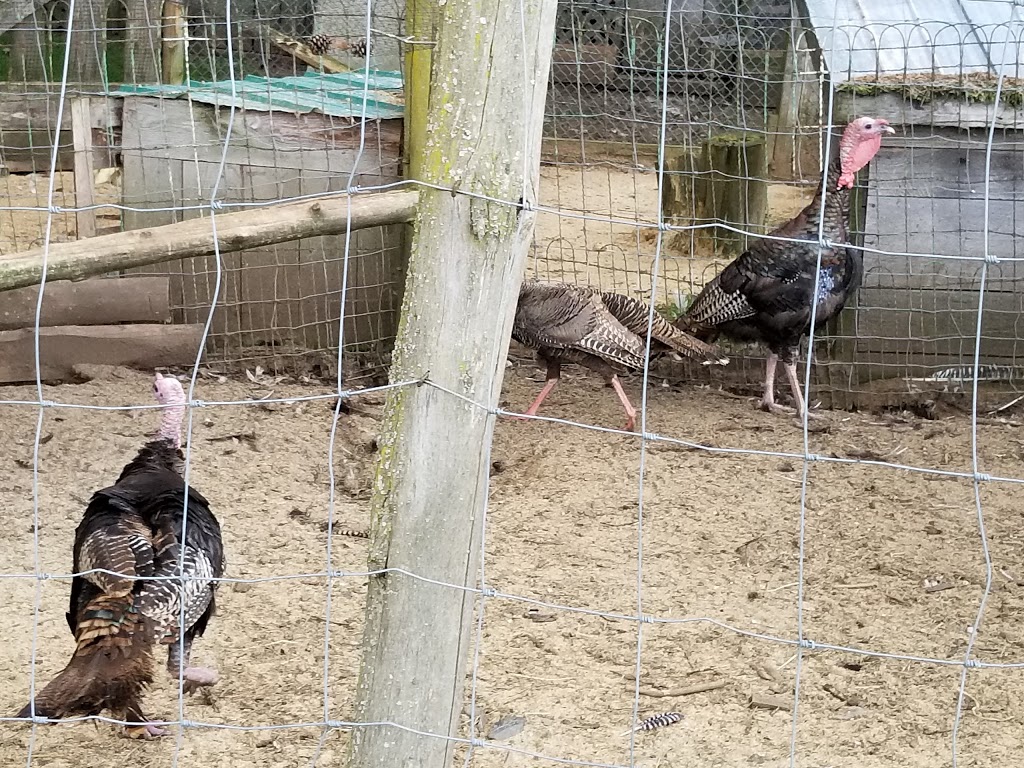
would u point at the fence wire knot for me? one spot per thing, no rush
(972, 664)
(334, 724)
(663, 226)
(982, 477)
(526, 205)
(189, 724)
(355, 189)
(810, 645)
(646, 619)
(649, 436)
(44, 576)
(39, 720)
(488, 592)
(991, 258)
(55, 209)
(217, 205)
(477, 742)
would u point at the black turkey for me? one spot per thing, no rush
(134, 529)
(605, 332)
(764, 294)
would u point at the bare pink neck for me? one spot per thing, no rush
(170, 425)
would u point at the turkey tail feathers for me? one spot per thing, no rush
(634, 315)
(110, 668)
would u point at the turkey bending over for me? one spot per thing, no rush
(605, 332)
(765, 293)
(133, 529)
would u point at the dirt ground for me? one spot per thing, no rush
(720, 543)
(893, 558)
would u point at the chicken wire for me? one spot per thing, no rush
(964, 664)
(261, 323)
(770, 79)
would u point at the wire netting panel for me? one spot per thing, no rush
(844, 591)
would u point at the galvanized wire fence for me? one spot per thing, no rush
(975, 647)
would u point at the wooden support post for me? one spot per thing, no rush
(172, 49)
(252, 228)
(81, 139)
(794, 147)
(731, 187)
(420, 23)
(468, 257)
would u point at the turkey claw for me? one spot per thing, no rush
(194, 678)
(780, 410)
(145, 731)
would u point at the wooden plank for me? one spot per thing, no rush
(81, 136)
(929, 327)
(900, 110)
(33, 106)
(100, 301)
(63, 347)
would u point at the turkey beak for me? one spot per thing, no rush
(888, 129)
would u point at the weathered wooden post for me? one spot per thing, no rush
(485, 115)
(730, 187)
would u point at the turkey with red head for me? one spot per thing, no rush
(130, 531)
(765, 294)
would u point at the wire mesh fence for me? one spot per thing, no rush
(843, 597)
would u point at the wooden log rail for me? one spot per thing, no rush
(250, 228)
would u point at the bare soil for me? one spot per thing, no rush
(720, 547)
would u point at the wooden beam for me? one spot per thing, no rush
(468, 256)
(64, 347)
(89, 302)
(903, 110)
(81, 139)
(251, 228)
(172, 49)
(295, 47)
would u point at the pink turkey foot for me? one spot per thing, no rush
(145, 731)
(198, 677)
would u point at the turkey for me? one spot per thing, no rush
(764, 295)
(605, 332)
(133, 529)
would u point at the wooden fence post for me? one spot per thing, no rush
(468, 256)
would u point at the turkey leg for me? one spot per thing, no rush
(178, 666)
(138, 725)
(794, 384)
(554, 374)
(628, 406)
(768, 398)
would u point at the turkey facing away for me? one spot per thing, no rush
(133, 529)
(765, 293)
(605, 332)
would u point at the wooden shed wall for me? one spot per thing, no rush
(927, 196)
(286, 296)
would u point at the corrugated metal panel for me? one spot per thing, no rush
(339, 95)
(886, 37)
